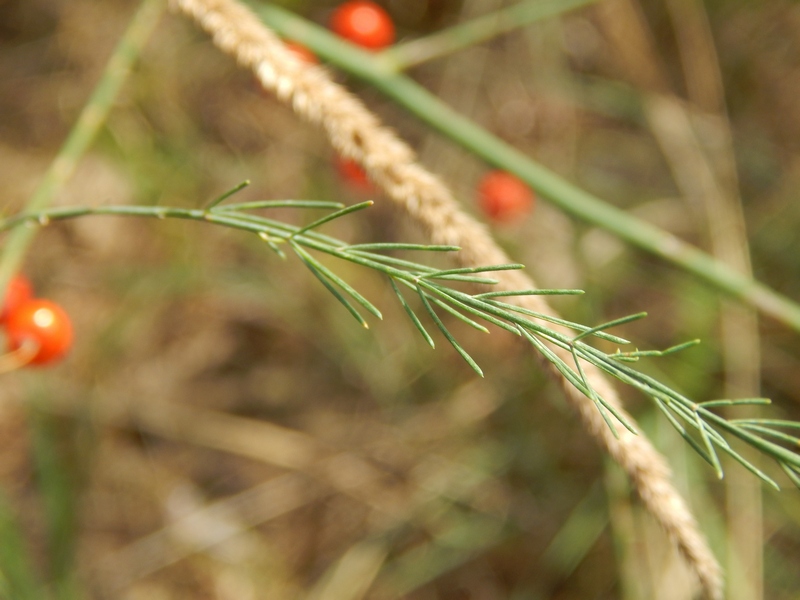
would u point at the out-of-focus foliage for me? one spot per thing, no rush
(223, 429)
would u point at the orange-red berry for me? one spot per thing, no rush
(364, 23)
(302, 53)
(19, 291)
(351, 172)
(43, 323)
(502, 197)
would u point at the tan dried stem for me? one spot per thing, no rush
(358, 134)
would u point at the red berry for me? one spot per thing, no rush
(353, 174)
(19, 291)
(364, 23)
(303, 53)
(46, 324)
(503, 197)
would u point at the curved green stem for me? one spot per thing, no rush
(379, 72)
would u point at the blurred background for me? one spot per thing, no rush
(223, 428)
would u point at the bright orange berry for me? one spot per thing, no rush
(364, 23)
(504, 198)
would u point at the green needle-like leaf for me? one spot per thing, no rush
(557, 321)
(450, 297)
(793, 474)
(271, 243)
(594, 397)
(610, 324)
(337, 280)
(737, 402)
(559, 364)
(599, 401)
(682, 431)
(778, 435)
(752, 468)
(333, 290)
(470, 361)
(335, 215)
(398, 246)
(227, 194)
(709, 446)
(767, 422)
(472, 270)
(457, 314)
(259, 204)
(554, 292)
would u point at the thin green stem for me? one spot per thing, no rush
(82, 134)
(547, 184)
(405, 55)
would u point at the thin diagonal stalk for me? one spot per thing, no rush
(82, 134)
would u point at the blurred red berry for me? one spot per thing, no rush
(44, 323)
(302, 53)
(364, 23)
(502, 197)
(353, 174)
(18, 292)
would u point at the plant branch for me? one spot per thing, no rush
(709, 426)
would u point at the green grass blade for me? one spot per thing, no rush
(57, 490)
(20, 581)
